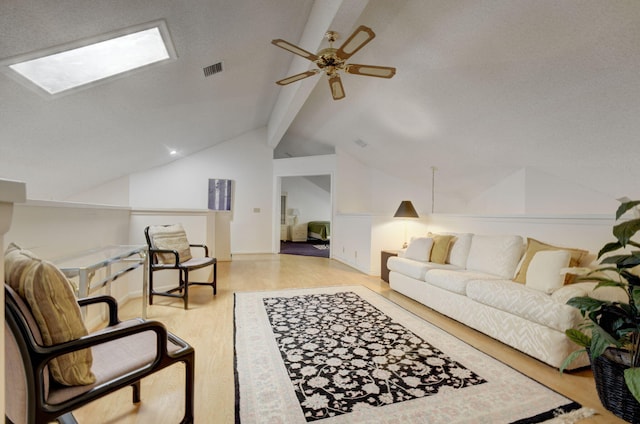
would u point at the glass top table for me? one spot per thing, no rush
(85, 264)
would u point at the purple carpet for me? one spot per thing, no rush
(304, 248)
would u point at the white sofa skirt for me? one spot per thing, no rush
(541, 342)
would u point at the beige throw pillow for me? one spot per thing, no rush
(440, 249)
(170, 237)
(534, 246)
(51, 299)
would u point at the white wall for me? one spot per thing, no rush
(506, 197)
(308, 165)
(56, 231)
(184, 184)
(115, 193)
(389, 191)
(312, 201)
(550, 194)
(533, 192)
(359, 238)
(351, 240)
(353, 185)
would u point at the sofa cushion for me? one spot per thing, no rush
(532, 305)
(419, 249)
(534, 246)
(497, 255)
(459, 250)
(453, 280)
(53, 304)
(588, 288)
(545, 270)
(412, 268)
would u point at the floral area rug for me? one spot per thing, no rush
(348, 355)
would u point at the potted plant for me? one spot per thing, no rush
(611, 331)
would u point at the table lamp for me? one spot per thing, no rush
(405, 210)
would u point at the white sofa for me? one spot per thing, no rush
(474, 285)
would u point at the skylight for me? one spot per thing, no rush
(85, 63)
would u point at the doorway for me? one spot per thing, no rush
(305, 214)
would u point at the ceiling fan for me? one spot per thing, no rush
(331, 60)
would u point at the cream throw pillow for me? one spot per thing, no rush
(544, 270)
(419, 249)
(171, 237)
(534, 246)
(50, 296)
(459, 251)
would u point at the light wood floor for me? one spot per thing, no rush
(208, 326)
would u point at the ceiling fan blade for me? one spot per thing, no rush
(361, 36)
(294, 49)
(296, 77)
(371, 70)
(337, 90)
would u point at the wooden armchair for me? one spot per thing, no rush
(170, 250)
(122, 354)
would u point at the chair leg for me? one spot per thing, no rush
(215, 278)
(189, 364)
(150, 282)
(185, 282)
(136, 391)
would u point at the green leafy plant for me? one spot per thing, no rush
(613, 324)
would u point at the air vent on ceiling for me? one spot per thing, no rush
(212, 69)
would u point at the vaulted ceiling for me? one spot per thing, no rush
(483, 89)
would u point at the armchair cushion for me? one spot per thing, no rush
(170, 237)
(51, 299)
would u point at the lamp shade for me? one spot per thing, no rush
(406, 210)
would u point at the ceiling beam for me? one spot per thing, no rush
(324, 15)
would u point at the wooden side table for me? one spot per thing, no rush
(384, 255)
(285, 232)
(299, 232)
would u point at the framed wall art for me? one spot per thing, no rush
(219, 194)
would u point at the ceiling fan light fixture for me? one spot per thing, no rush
(296, 77)
(337, 90)
(360, 37)
(332, 61)
(294, 49)
(371, 70)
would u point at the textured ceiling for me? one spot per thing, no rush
(486, 88)
(483, 89)
(64, 145)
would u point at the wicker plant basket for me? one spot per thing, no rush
(608, 372)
